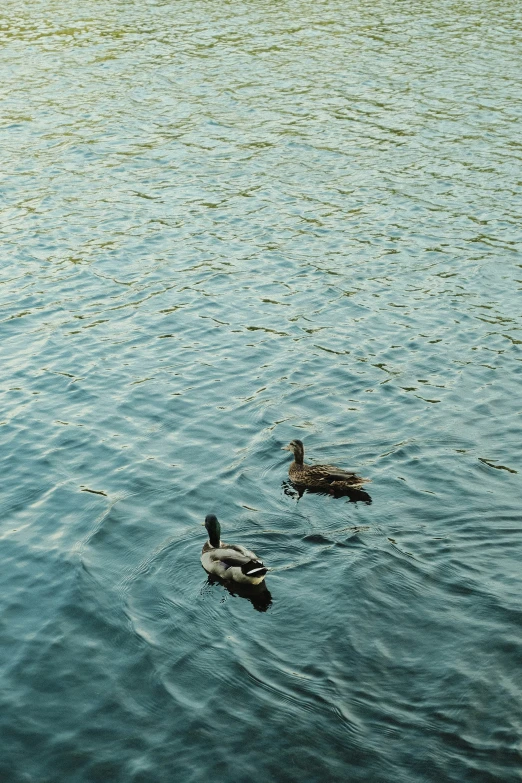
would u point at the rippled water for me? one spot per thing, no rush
(226, 225)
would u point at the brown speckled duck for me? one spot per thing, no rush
(327, 478)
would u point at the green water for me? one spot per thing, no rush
(224, 226)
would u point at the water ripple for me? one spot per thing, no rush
(225, 227)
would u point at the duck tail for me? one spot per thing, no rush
(254, 568)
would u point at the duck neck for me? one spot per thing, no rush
(214, 539)
(213, 530)
(299, 457)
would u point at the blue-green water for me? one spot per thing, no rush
(226, 225)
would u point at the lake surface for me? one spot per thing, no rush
(227, 225)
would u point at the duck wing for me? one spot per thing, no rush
(238, 557)
(238, 548)
(230, 556)
(333, 473)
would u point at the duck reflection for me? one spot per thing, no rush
(259, 595)
(354, 494)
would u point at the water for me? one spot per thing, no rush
(226, 225)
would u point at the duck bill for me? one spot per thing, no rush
(286, 448)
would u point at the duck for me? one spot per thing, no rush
(230, 562)
(326, 478)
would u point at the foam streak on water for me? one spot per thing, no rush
(224, 226)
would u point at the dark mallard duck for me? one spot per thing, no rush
(230, 561)
(326, 478)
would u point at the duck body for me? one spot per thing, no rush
(230, 562)
(326, 478)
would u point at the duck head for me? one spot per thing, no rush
(296, 446)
